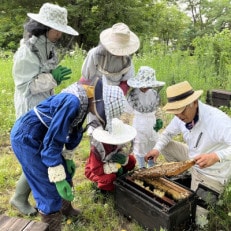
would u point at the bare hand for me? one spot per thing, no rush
(153, 154)
(205, 160)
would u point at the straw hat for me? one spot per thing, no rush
(146, 77)
(54, 17)
(121, 133)
(179, 96)
(109, 102)
(119, 40)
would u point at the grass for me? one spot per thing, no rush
(96, 216)
(101, 215)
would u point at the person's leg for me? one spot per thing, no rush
(48, 201)
(175, 151)
(67, 208)
(198, 178)
(53, 220)
(140, 161)
(20, 198)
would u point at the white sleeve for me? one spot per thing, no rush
(89, 66)
(26, 72)
(42, 83)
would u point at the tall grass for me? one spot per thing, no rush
(170, 67)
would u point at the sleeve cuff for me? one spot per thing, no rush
(57, 173)
(68, 154)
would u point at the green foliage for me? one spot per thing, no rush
(213, 54)
(171, 66)
(147, 18)
(7, 115)
(221, 214)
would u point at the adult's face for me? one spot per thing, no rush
(188, 114)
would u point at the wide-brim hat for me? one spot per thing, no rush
(121, 133)
(109, 102)
(119, 40)
(179, 96)
(54, 17)
(146, 77)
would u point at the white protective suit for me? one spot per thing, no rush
(212, 133)
(33, 63)
(144, 107)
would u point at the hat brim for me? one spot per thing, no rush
(119, 49)
(104, 136)
(99, 102)
(176, 111)
(65, 29)
(177, 107)
(135, 83)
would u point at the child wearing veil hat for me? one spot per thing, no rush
(143, 101)
(109, 157)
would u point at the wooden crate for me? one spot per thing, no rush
(19, 224)
(219, 98)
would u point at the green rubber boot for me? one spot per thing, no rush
(20, 197)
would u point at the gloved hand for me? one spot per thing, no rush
(71, 167)
(109, 167)
(120, 172)
(64, 190)
(119, 158)
(159, 125)
(60, 72)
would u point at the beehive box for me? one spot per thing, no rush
(218, 98)
(152, 212)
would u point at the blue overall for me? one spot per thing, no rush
(38, 144)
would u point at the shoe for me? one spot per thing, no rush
(68, 210)
(53, 220)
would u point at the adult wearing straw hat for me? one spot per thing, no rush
(36, 73)
(44, 140)
(207, 134)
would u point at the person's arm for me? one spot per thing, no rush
(64, 108)
(170, 131)
(89, 65)
(42, 83)
(221, 136)
(26, 72)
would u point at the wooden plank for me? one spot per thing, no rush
(20, 224)
(36, 226)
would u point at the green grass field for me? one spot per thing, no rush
(100, 216)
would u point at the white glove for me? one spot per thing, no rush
(68, 154)
(111, 167)
(56, 173)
